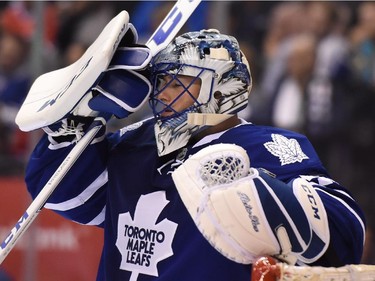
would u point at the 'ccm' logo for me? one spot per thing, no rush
(14, 230)
(312, 201)
(67, 86)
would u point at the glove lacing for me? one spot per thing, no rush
(68, 128)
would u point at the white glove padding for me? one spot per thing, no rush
(245, 213)
(58, 93)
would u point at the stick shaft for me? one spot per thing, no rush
(35, 207)
(171, 24)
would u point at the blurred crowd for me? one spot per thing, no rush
(313, 69)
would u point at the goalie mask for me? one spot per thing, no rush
(214, 61)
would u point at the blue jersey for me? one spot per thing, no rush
(121, 184)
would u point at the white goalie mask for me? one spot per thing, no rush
(225, 83)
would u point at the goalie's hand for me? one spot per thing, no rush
(245, 213)
(123, 88)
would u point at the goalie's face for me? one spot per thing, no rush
(197, 73)
(173, 94)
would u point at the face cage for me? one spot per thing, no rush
(158, 106)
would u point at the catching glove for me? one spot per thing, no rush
(245, 213)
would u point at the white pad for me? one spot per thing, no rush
(220, 195)
(206, 119)
(245, 213)
(56, 93)
(314, 209)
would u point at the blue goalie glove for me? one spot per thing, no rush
(245, 213)
(123, 89)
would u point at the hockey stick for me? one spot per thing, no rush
(163, 35)
(36, 206)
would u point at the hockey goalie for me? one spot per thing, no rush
(194, 192)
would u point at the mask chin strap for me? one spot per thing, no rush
(206, 119)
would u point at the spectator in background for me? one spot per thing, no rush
(20, 18)
(325, 21)
(362, 38)
(249, 19)
(289, 109)
(14, 86)
(19, 24)
(286, 20)
(81, 22)
(14, 79)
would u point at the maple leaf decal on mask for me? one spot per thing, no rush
(141, 241)
(288, 150)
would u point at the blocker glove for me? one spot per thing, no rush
(123, 89)
(106, 80)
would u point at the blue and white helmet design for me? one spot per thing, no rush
(224, 73)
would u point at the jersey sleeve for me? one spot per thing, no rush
(81, 195)
(346, 222)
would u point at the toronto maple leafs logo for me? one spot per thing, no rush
(288, 150)
(141, 242)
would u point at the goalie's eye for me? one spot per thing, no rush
(175, 84)
(160, 83)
